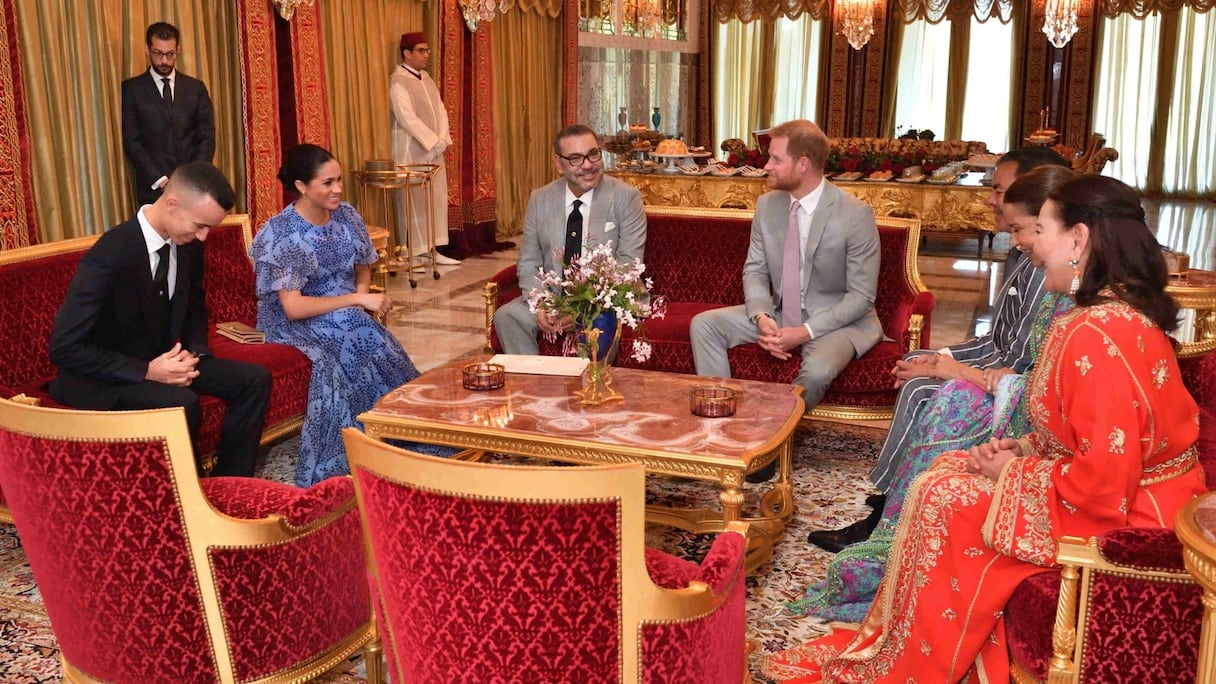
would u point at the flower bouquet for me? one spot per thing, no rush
(598, 295)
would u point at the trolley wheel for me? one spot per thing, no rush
(413, 283)
(435, 275)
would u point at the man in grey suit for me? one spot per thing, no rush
(811, 272)
(580, 210)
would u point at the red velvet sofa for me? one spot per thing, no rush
(695, 257)
(36, 280)
(1123, 609)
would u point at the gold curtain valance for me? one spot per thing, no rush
(1142, 8)
(768, 10)
(935, 11)
(548, 8)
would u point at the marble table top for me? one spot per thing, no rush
(654, 419)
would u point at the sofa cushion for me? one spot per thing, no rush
(697, 259)
(1029, 618)
(26, 320)
(1199, 374)
(228, 277)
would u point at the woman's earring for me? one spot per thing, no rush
(1076, 277)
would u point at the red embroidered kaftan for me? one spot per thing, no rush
(1113, 446)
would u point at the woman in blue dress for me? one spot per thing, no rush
(313, 284)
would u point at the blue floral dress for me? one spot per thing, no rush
(355, 360)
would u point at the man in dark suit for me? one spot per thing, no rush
(132, 331)
(166, 116)
(581, 209)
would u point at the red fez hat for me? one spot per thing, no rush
(409, 40)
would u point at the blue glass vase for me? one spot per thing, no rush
(606, 324)
(656, 118)
(597, 340)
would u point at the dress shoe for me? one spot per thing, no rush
(833, 541)
(763, 475)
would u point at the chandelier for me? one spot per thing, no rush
(857, 21)
(287, 8)
(480, 10)
(1061, 21)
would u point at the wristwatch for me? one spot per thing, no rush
(756, 318)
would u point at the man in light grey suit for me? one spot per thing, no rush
(580, 210)
(821, 299)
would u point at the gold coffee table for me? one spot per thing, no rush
(537, 416)
(1196, 529)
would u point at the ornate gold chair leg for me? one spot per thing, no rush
(373, 657)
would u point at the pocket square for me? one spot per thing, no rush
(609, 227)
(1013, 290)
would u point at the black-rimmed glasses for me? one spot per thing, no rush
(163, 55)
(577, 159)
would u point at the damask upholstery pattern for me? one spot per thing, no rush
(1199, 374)
(467, 597)
(288, 603)
(26, 320)
(228, 277)
(116, 503)
(718, 639)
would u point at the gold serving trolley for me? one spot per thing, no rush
(392, 178)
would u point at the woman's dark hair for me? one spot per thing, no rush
(1031, 189)
(1123, 253)
(301, 164)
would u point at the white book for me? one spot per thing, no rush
(541, 365)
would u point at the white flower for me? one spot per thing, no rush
(641, 351)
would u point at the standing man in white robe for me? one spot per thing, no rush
(420, 136)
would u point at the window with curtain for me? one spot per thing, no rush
(924, 79)
(987, 98)
(1164, 131)
(924, 72)
(742, 53)
(1190, 133)
(1125, 93)
(796, 77)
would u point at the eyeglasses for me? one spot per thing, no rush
(577, 159)
(425, 51)
(157, 54)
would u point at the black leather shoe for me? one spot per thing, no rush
(877, 501)
(833, 541)
(763, 475)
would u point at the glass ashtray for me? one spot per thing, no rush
(484, 376)
(712, 402)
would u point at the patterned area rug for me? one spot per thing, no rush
(830, 465)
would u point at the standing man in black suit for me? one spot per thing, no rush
(132, 331)
(166, 116)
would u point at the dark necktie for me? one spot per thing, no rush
(166, 92)
(574, 233)
(160, 281)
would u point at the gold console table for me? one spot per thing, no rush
(958, 210)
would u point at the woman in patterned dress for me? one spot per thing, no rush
(313, 285)
(959, 415)
(1113, 445)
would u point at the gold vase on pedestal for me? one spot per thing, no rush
(597, 376)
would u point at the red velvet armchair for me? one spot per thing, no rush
(149, 577)
(1122, 609)
(495, 573)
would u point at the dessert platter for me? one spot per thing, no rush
(752, 172)
(880, 176)
(982, 162)
(912, 174)
(674, 151)
(692, 168)
(848, 176)
(722, 170)
(947, 174)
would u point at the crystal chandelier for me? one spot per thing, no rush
(857, 21)
(287, 8)
(481, 10)
(1061, 21)
(643, 15)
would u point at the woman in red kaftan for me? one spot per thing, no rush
(1113, 445)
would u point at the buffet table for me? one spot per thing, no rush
(957, 210)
